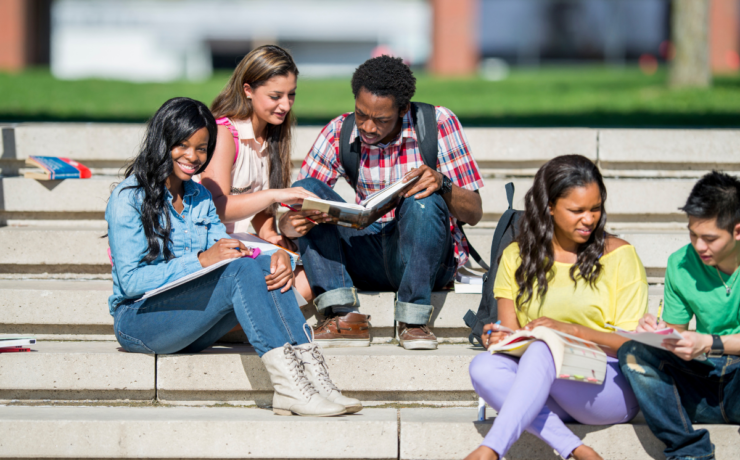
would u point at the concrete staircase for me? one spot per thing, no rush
(79, 396)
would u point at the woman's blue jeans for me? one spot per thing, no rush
(673, 394)
(411, 255)
(193, 316)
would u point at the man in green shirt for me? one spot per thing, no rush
(695, 379)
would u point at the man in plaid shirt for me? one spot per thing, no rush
(413, 249)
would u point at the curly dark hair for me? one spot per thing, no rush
(386, 76)
(173, 123)
(553, 181)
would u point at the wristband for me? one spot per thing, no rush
(718, 348)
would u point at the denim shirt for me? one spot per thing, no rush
(195, 230)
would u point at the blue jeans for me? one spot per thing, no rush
(674, 393)
(411, 255)
(193, 316)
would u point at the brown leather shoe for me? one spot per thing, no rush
(350, 330)
(416, 337)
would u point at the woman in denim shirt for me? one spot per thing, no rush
(163, 226)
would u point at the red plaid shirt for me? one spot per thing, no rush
(382, 165)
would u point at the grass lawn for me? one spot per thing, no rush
(564, 96)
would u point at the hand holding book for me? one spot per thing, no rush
(429, 181)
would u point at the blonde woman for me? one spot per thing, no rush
(249, 174)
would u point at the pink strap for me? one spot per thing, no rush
(225, 122)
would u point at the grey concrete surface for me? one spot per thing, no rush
(77, 370)
(78, 310)
(79, 141)
(82, 250)
(672, 148)
(442, 434)
(382, 373)
(529, 146)
(42, 250)
(129, 432)
(87, 199)
(58, 196)
(510, 146)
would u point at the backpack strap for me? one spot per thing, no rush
(349, 154)
(427, 131)
(425, 123)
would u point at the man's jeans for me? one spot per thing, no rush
(411, 255)
(193, 316)
(674, 393)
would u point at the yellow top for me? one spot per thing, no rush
(619, 296)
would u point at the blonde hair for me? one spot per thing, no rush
(257, 67)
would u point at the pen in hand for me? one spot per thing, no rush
(255, 251)
(501, 328)
(295, 210)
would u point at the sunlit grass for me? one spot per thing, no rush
(564, 96)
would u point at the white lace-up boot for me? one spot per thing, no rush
(294, 393)
(318, 373)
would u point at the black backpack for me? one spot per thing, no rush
(425, 123)
(506, 231)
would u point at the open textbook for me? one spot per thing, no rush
(368, 211)
(249, 241)
(654, 339)
(575, 359)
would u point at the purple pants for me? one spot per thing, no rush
(527, 396)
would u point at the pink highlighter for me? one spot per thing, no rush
(255, 251)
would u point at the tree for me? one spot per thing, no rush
(690, 36)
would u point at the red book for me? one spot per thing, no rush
(13, 349)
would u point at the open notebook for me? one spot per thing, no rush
(575, 359)
(249, 241)
(368, 211)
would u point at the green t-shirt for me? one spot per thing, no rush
(693, 288)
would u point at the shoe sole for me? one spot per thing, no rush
(290, 412)
(419, 344)
(353, 409)
(343, 343)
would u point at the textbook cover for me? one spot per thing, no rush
(575, 358)
(56, 168)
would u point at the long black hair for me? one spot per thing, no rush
(173, 123)
(552, 181)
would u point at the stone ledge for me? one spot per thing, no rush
(377, 374)
(121, 432)
(86, 199)
(82, 250)
(441, 434)
(78, 310)
(672, 148)
(75, 371)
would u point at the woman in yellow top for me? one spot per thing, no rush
(564, 272)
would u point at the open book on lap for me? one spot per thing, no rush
(654, 339)
(368, 211)
(250, 241)
(575, 359)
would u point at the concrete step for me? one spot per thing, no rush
(222, 432)
(77, 371)
(232, 374)
(78, 310)
(84, 250)
(620, 152)
(452, 433)
(27, 199)
(218, 433)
